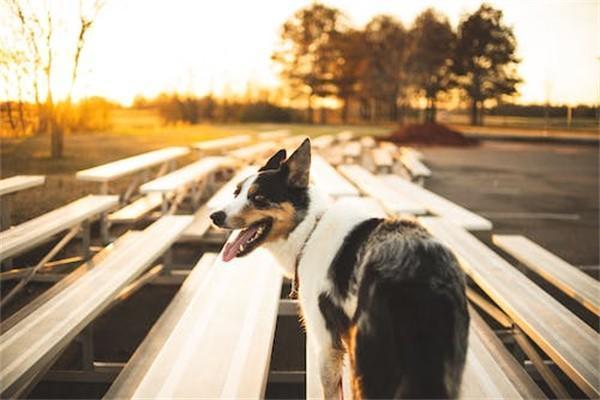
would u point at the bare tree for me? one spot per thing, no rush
(37, 29)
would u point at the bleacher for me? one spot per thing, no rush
(215, 338)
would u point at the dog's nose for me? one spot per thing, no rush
(218, 218)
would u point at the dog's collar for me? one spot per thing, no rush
(296, 282)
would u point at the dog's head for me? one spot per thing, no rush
(268, 205)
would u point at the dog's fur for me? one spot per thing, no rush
(383, 291)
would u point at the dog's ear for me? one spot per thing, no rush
(275, 161)
(299, 166)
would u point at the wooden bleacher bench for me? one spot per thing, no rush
(116, 169)
(413, 164)
(436, 204)
(567, 340)
(383, 160)
(322, 142)
(183, 179)
(254, 152)
(41, 229)
(351, 151)
(35, 340)
(20, 182)
(274, 135)
(413, 152)
(370, 185)
(8, 187)
(215, 339)
(202, 223)
(329, 180)
(136, 209)
(219, 146)
(368, 142)
(573, 282)
(345, 136)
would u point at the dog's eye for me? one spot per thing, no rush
(260, 201)
(237, 191)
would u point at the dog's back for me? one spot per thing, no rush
(410, 328)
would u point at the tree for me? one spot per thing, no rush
(386, 55)
(430, 60)
(37, 29)
(485, 59)
(307, 62)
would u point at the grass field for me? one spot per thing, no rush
(30, 156)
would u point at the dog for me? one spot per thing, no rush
(382, 291)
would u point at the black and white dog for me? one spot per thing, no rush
(383, 291)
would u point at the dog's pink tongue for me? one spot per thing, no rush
(232, 249)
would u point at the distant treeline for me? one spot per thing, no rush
(175, 108)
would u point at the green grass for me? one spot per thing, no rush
(31, 156)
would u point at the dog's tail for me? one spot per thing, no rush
(411, 334)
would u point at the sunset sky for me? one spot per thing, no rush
(150, 46)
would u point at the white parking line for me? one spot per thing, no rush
(526, 215)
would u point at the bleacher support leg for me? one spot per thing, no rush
(87, 348)
(85, 240)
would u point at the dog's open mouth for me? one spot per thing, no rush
(247, 240)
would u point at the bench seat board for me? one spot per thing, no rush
(220, 145)
(186, 176)
(567, 340)
(136, 209)
(382, 158)
(254, 152)
(575, 283)
(274, 135)
(221, 345)
(20, 182)
(329, 180)
(414, 165)
(323, 141)
(370, 185)
(345, 136)
(436, 204)
(119, 168)
(68, 280)
(36, 339)
(139, 363)
(38, 230)
(352, 150)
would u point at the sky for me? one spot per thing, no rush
(144, 47)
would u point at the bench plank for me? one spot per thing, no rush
(329, 180)
(255, 152)
(187, 175)
(221, 345)
(119, 168)
(139, 363)
(222, 144)
(274, 135)
(38, 230)
(345, 136)
(491, 371)
(575, 283)
(136, 209)
(569, 342)
(372, 186)
(437, 204)
(323, 141)
(20, 182)
(414, 164)
(36, 339)
(382, 158)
